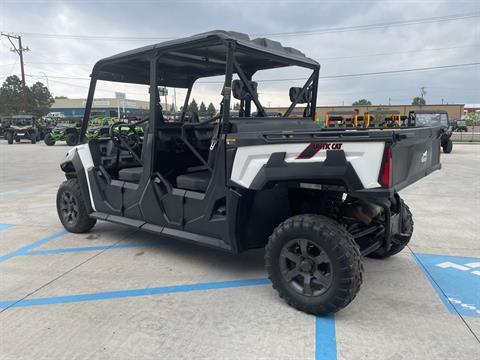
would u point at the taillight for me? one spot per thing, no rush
(385, 178)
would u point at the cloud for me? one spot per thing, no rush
(65, 61)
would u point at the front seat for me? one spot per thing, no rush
(199, 180)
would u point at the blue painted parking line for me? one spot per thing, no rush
(5, 226)
(87, 248)
(132, 293)
(325, 338)
(23, 250)
(456, 281)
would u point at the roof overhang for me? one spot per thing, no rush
(181, 62)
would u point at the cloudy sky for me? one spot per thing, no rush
(65, 39)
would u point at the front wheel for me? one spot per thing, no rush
(48, 140)
(72, 139)
(9, 137)
(447, 148)
(314, 264)
(71, 208)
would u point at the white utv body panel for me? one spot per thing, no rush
(365, 157)
(83, 151)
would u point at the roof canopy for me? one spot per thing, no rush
(182, 61)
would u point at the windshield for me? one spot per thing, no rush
(21, 122)
(431, 119)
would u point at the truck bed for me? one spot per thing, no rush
(368, 162)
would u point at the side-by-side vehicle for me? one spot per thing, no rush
(316, 199)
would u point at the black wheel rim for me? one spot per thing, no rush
(306, 267)
(69, 207)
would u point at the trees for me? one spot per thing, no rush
(40, 99)
(361, 102)
(236, 106)
(211, 111)
(37, 98)
(202, 110)
(418, 100)
(11, 96)
(192, 107)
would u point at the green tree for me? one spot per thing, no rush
(192, 107)
(202, 110)
(362, 102)
(37, 98)
(418, 100)
(60, 97)
(211, 111)
(236, 106)
(11, 96)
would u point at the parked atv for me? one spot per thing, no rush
(66, 131)
(460, 125)
(435, 118)
(21, 127)
(316, 199)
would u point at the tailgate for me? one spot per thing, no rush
(414, 154)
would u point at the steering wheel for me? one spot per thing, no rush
(125, 136)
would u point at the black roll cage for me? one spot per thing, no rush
(209, 66)
(234, 43)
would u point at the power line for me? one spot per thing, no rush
(339, 76)
(374, 26)
(396, 53)
(278, 34)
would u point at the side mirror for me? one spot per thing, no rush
(306, 98)
(240, 92)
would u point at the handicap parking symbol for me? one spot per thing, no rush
(456, 281)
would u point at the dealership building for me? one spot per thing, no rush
(100, 107)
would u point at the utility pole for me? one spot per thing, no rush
(19, 50)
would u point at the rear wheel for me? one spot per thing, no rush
(71, 208)
(447, 148)
(9, 137)
(314, 264)
(48, 140)
(72, 139)
(398, 241)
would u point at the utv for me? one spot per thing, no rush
(21, 127)
(65, 131)
(435, 118)
(345, 118)
(315, 199)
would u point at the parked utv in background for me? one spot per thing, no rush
(435, 118)
(21, 127)
(66, 130)
(316, 199)
(459, 125)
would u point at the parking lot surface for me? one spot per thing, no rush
(116, 293)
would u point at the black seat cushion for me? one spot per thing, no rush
(131, 174)
(196, 181)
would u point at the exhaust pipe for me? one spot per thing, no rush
(362, 210)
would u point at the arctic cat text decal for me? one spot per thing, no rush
(314, 148)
